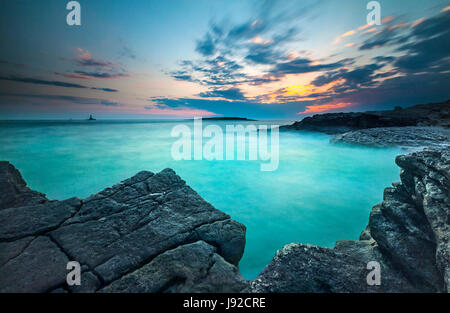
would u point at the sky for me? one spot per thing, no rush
(283, 59)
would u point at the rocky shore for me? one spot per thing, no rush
(408, 235)
(424, 125)
(153, 233)
(149, 233)
(409, 137)
(431, 114)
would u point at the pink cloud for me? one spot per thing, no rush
(319, 108)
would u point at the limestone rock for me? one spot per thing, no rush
(114, 233)
(408, 235)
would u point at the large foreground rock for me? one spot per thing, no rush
(408, 235)
(149, 233)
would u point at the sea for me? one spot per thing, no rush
(319, 193)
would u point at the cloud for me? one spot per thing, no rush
(325, 107)
(358, 77)
(127, 52)
(230, 94)
(100, 69)
(42, 82)
(102, 75)
(73, 75)
(426, 47)
(206, 46)
(227, 51)
(346, 34)
(6, 62)
(58, 98)
(84, 58)
(105, 89)
(214, 71)
(30, 80)
(175, 107)
(385, 20)
(303, 65)
(109, 103)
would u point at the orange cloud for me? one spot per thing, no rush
(74, 75)
(398, 26)
(364, 27)
(325, 107)
(360, 28)
(387, 19)
(258, 40)
(446, 9)
(370, 30)
(84, 54)
(417, 22)
(346, 34)
(299, 92)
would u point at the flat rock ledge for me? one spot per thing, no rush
(149, 233)
(408, 235)
(405, 137)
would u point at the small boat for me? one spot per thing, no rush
(91, 118)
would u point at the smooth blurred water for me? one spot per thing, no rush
(320, 193)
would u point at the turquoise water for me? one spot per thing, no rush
(320, 193)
